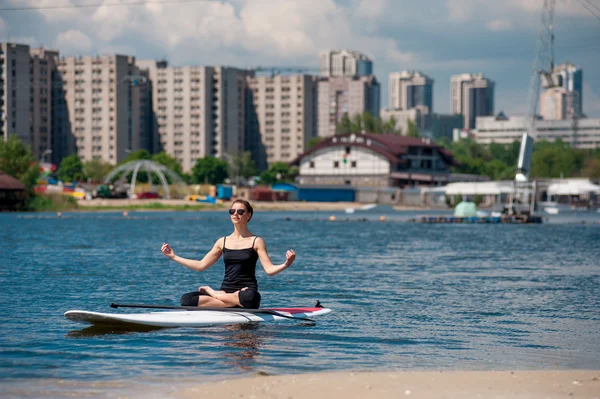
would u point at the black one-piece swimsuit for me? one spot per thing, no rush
(240, 272)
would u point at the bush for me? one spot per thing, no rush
(55, 202)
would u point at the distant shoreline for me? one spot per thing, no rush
(183, 205)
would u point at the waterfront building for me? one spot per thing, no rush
(375, 160)
(410, 89)
(339, 96)
(570, 77)
(335, 63)
(471, 95)
(281, 117)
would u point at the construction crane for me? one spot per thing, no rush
(543, 64)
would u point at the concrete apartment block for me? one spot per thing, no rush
(345, 95)
(15, 92)
(198, 111)
(282, 117)
(104, 101)
(410, 89)
(43, 76)
(471, 95)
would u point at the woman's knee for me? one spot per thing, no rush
(190, 298)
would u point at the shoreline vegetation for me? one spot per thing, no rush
(46, 203)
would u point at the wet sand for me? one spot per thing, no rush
(347, 385)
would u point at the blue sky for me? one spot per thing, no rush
(438, 37)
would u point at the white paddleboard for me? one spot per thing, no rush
(196, 318)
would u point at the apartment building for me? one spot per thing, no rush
(281, 118)
(198, 111)
(104, 107)
(410, 89)
(344, 63)
(338, 96)
(26, 80)
(471, 95)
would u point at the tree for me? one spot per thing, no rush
(411, 129)
(244, 165)
(71, 169)
(279, 172)
(96, 170)
(16, 158)
(366, 123)
(165, 159)
(209, 170)
(137, 155)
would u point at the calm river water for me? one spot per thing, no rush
(404, 296)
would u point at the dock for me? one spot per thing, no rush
(504, 219)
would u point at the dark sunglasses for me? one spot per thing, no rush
(239, 211)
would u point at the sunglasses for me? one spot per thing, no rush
(239, 211)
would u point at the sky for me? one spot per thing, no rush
(438, 37)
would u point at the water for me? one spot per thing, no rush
(405, 296)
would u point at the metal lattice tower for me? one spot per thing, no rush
(543, 63)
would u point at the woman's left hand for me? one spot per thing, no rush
(207, 290)
(290, 256)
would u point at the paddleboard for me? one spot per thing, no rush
(199, 318)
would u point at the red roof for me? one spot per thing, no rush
(390, 146)
(8, 182)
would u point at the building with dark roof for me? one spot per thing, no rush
(376, 160)
(12, 193)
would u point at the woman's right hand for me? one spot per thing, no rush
(168, 251)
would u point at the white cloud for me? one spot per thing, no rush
(73, 42)
(499, 25)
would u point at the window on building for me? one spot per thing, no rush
(311, 164)
(336, 164)
(353, 164)
(347, 150)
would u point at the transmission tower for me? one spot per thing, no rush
(543, 64)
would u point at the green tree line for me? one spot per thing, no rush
(499, 162)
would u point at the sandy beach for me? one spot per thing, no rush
(426, 385)
(347, 385)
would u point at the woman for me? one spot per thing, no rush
(240, 252)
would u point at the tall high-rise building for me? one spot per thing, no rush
(102, 116)
(25, 95)
(409, 89)
(199, 111)
(281, 118)
(565, 99)
(335, 63)
(339, 96)
(558, 103)
(43, 78)
(471, 96)
(16, 91)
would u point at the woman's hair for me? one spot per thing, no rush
(246, 204)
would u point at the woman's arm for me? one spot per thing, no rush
(265, 261)
(200, 265)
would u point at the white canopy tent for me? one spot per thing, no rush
(475, 188)
(573, 187)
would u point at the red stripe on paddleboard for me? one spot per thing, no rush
(295, 310)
